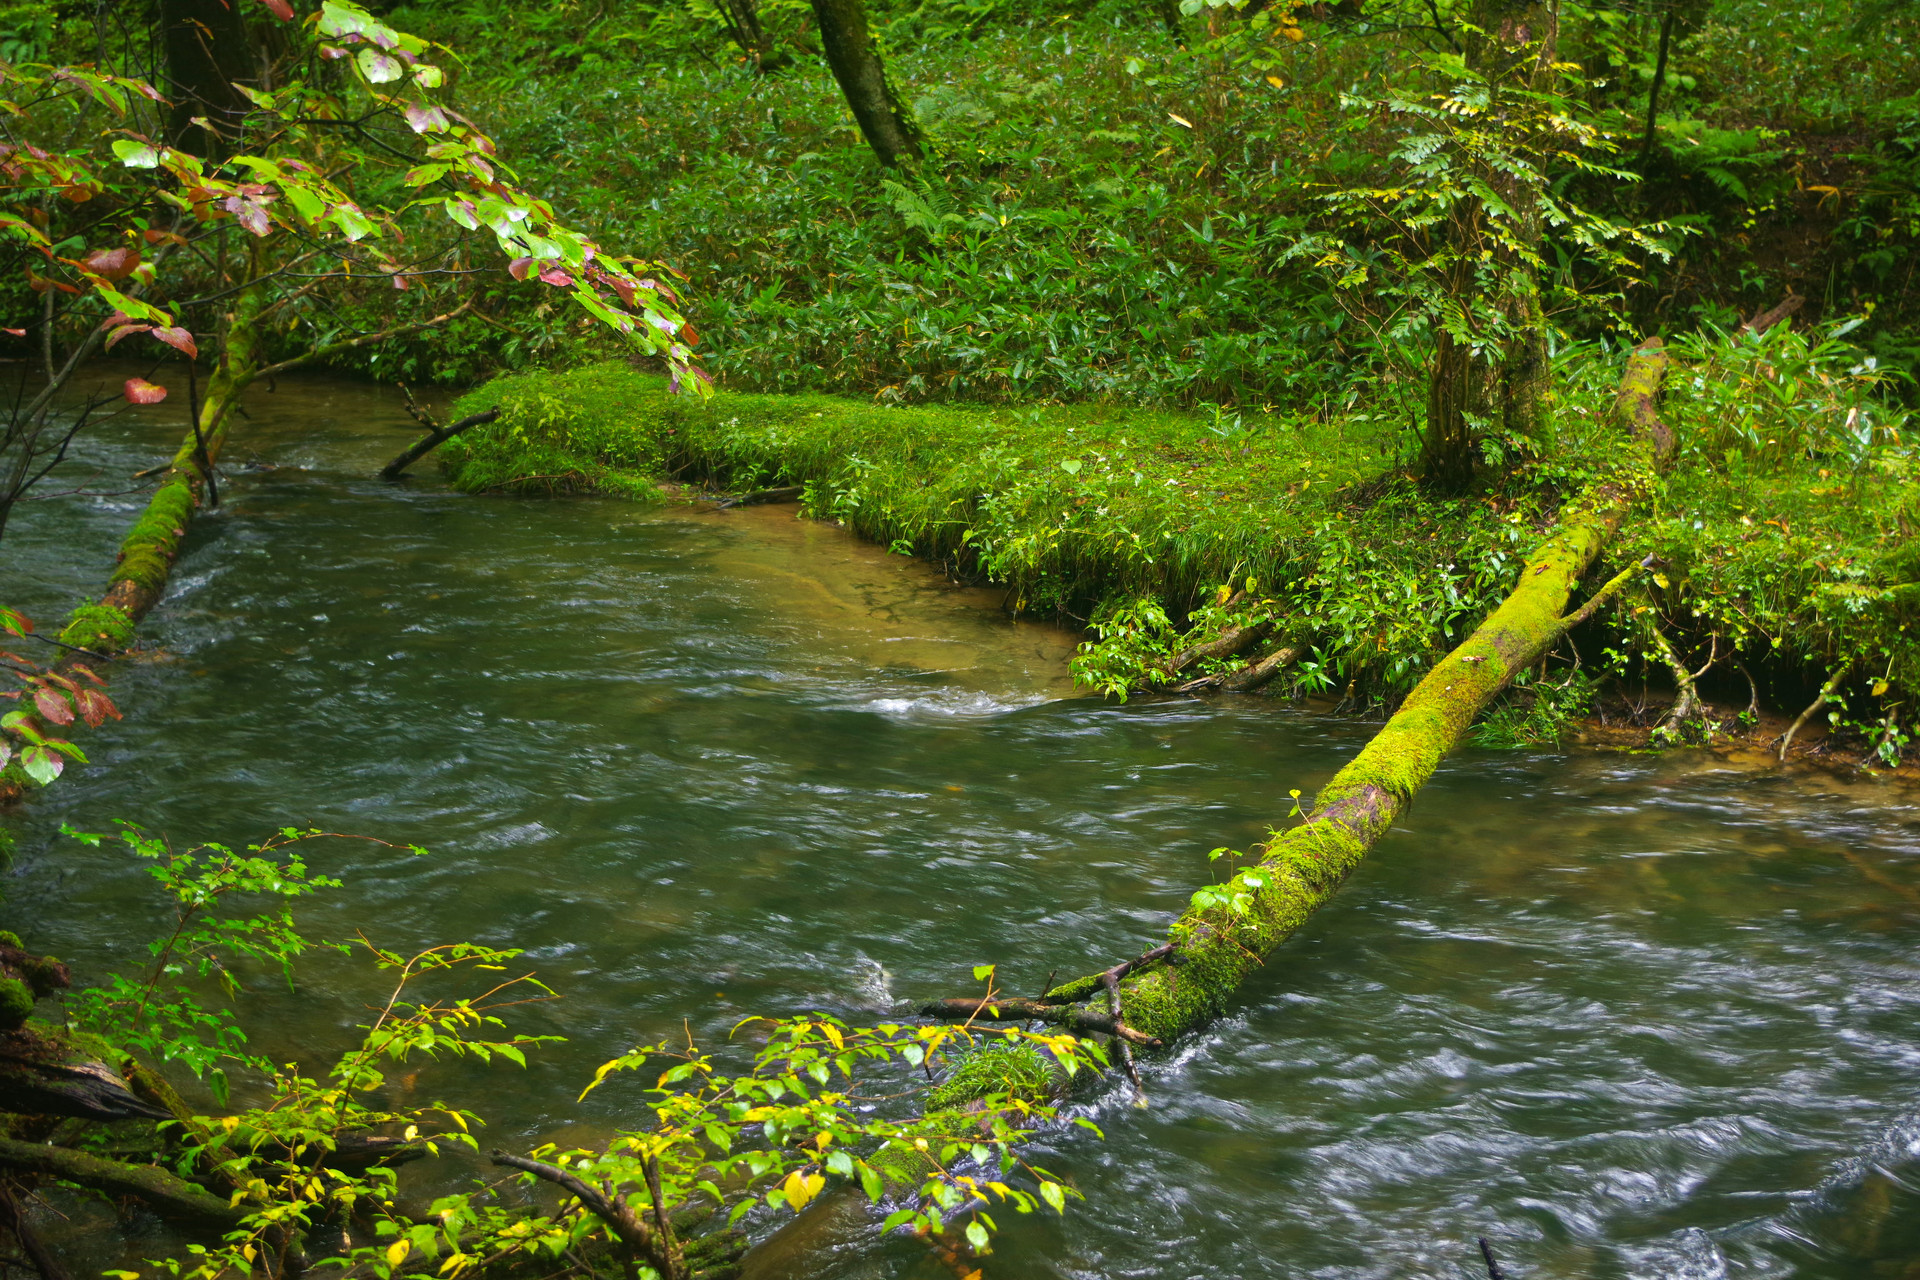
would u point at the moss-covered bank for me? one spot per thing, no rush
(1792, 561)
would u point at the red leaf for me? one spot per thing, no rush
(14, 622)
(140, 391)
(425, 118)
(280, 9)
(95, 707)
(113, 264)
(247, 214)
(18, 333)
(125, 330)
(50, 704)
(688, 336)
(518, 268)
(556, 277)
(400, 281)
(179, 340)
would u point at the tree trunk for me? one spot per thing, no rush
(1511, 46)
(1300, 869)
(885, 120)
(1446, 451)
(207, 49)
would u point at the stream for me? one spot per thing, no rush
(1622, 1016)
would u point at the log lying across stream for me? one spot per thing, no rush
(1214, 949)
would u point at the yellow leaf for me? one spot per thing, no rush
(1182, 121)
(833, 1033)
(1294, 34)
(1661, 578)
(801, 1188)
(1879, 687)
(1276, 82)
(397, 1252)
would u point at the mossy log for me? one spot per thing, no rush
(174, 1199)
(147, 553)
(1214, 951)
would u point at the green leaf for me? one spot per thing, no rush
(1052, 1193)
(977, 1236)
(136, 155)
(1071, 466)
(981, 972)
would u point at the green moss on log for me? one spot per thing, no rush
(100, 628)
(16, 1003)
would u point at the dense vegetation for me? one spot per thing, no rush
(1241, 334)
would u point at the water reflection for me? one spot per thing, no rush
(1624, 1017)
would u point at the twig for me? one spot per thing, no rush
(1493, 1268)
(431, 441)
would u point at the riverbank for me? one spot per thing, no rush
(1768, 568)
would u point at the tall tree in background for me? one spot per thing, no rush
(1510, 48)
(885, 120)
(207, 48)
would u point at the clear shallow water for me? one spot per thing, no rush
(1624, 1017)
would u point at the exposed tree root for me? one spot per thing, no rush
(1689, 710)
(1827, 691)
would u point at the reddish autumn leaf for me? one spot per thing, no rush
(518, 268)
(688, 336)
(140, 391)
(556, 277)
(40, 284)
(14, 622)
(18, 333)
(247, 214)
(280, 9)
(95, 707)
(113, 264)
(179, 340)
(125, 331)
(425, 118)
(50, 704)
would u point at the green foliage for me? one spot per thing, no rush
(159, 1013)
(1132, 641)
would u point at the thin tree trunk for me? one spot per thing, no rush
(1446, 450)
(884, 118)
(1301, 869)
(1659, 80)
(207, 48)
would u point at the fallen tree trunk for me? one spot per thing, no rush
(174, 1199)
(1215, 947)
(147, 553)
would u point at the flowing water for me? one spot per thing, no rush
(1623, 1017)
